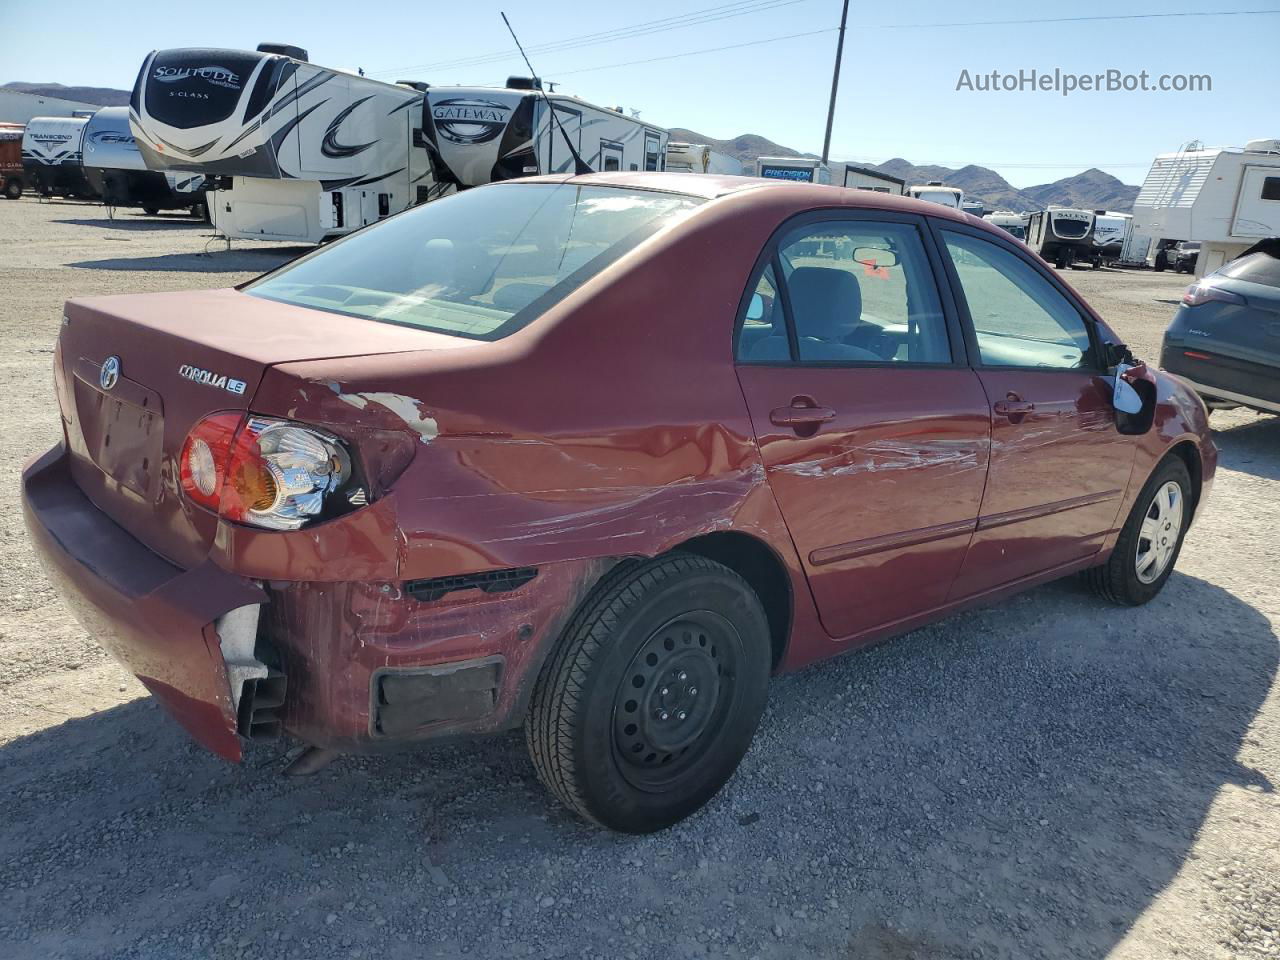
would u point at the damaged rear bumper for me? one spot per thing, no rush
(368, 664)
(158, 620)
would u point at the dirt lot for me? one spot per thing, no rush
(1050, 777)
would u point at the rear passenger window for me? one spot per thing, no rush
(1020, 319)
(858, 292)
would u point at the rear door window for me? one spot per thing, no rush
(857, 292)
(1256, 268)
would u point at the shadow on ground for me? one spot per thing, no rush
(142, 223)
(1251, 447)
(1018, 782)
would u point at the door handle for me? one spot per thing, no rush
(794, 416)
(1013, 406)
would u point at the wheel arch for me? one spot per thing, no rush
(764, 571)
(1189, 454)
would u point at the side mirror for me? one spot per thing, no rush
(755, 309)
(1134, 398)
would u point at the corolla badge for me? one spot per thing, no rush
(470, 121)
(218, 76)
(109, 375)
(210, 379)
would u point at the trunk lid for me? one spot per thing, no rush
(138, 371)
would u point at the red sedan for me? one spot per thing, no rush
(594, 456)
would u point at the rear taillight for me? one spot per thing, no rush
(265, 472)
(1202, 292)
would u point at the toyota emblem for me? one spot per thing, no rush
(110, 374)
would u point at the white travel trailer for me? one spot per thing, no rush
(114, 167)
(796, 169)
(477, 135)
(1062, 236)
(52, 156)
(877, 181)
(1110, 231)
(1012, 223)
(936, 192)
(699, 158)
(299, 152)
(1226, 198)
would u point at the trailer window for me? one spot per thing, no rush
(1271, 188)
(479, 264)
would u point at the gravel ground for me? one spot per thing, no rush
(1049, 777)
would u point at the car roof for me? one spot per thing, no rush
(763, 190)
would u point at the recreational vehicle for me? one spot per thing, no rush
(1226, 198)
(699, 158)
(973, 207)
(52, 150)
(1012, 223)
(877, 181)
(11, 182)
(936, 192)
(478, 135)
(798, 169)
(1110, 231)
(115, 169)
(1063, 236)
(295, 151)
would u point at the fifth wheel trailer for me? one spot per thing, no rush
(114, 168)
(700, 158)
(1227, 198)
(477, 135)
(296, 151)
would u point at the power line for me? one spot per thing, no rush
(694, 53)
(646, 28)
(1116, 16)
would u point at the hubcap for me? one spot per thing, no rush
(1158, 536)
(673, 698)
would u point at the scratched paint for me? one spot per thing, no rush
(886, 455)
(406, 408)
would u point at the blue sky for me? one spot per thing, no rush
(898, 92)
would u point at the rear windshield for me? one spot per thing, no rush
(479, 264)
(1256, 268)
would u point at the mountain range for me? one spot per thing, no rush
(1091, 190)
(100, 96)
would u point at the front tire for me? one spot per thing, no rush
(13, 189)
(646, 706)
(1150, 540)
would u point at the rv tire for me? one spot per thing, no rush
(13, 189)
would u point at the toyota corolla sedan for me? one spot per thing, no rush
(593, 456)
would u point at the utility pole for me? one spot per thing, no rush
(835, 83)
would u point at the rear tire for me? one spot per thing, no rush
(1150, 541)
(653, 694)
(13, 189)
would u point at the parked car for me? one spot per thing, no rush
(1183, 256)
(593, 456)
(1225, 337)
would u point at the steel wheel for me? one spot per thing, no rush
(1158, 535)
(674, 693)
